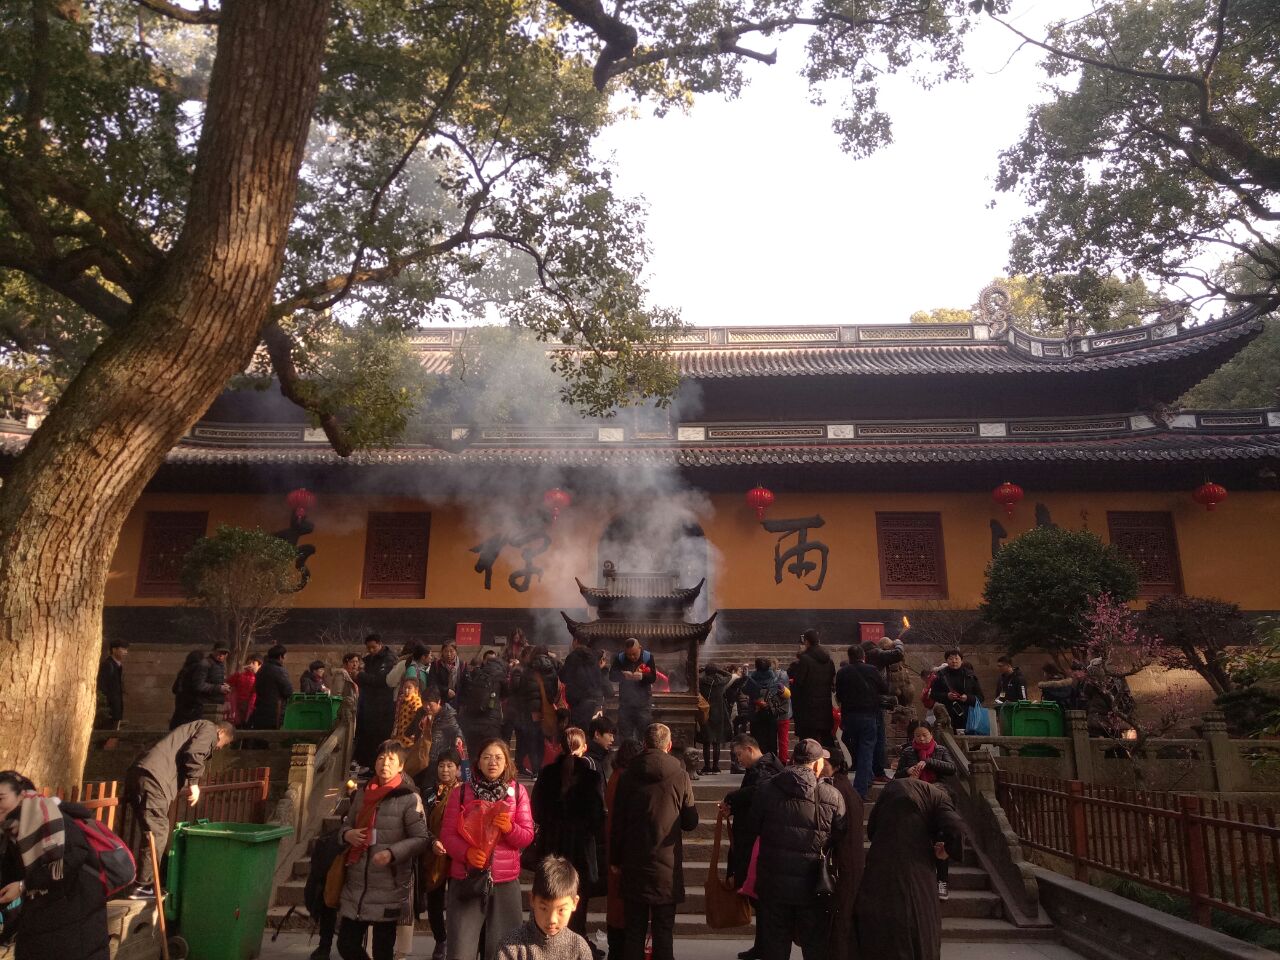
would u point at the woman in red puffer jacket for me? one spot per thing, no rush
(493, 788)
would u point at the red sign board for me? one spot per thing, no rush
(468, 634)
(870, 630)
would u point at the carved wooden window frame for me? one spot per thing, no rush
(932, 521)
(396, 522)
(1162, 520)
(159, 527)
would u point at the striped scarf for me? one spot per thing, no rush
(41, 838)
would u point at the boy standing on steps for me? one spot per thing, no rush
(547, 936)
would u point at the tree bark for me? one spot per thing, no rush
(195, 326)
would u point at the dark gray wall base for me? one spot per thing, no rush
(344, 626)
(1103, 926)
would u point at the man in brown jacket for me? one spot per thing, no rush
(172, 767)
(654, 803)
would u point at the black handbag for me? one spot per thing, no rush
(827, 873)
(476, 885)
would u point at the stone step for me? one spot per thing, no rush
(694, 926)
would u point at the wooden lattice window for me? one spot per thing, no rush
(912, 563)
(167, 537)
(1147, 540)
(395, 555)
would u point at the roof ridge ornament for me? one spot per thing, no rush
(995, 307)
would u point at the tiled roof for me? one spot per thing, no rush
(639, 588)
(711, 353)
(1164, 446)
(1189, 437)
(643, 630)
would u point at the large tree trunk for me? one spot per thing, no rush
(197, 325)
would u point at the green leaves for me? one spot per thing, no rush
(450, 173)
(1041, 586)
(1157, 154)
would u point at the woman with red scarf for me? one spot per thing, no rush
(384, 831)
(487, 822)
(926, 759)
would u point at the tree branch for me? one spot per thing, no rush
(375, 203)
(1188, 78)
(318, 296)
(280, 350)
(174, 12)
(620, 39)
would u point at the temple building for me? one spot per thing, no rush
(880, 444)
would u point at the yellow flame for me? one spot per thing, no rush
(906, 624)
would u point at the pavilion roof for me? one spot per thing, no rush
(640, 588)
(643, 630)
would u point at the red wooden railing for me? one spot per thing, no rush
(1218, 854)
(234, 796)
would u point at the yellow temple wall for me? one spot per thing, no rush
(1232, 553)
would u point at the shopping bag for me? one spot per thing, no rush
(978, 722)
(725, 907)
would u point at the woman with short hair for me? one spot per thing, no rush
(384, 831)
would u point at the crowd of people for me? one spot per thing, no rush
(446, 814)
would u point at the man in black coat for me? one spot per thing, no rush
(811, 683)
(173, 766)
(653, 805)
(376, 710)
(211, 681)
(1011, 686)
(111, 686)
(859, 687)
(634, 671)
(479, 702)
(760, 769)
(585, 686)
(272, 689)
(601, 734)
(882, 659)
(798, 819)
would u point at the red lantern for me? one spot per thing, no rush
(1007, 494)
(1210, 494)
(759, 499)
(556, 500)
(300, 501)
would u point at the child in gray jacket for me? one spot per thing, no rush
(547, 936)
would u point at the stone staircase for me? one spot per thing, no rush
(974, 912)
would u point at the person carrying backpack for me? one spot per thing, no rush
(768, 694)
(480, 702)
(48, 861)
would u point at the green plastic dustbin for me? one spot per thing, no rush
(311, 711)
(1025, 718)
(219, 886)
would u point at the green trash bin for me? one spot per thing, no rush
(1025, 718)
(311, 711)
(219, 886)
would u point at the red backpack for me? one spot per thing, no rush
(925, 697)
(116, 866)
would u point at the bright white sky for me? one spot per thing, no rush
(758, 217)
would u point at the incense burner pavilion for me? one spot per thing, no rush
(880, 445)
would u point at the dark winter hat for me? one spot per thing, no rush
(119, 645)
(807, 751)
(221, 647)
